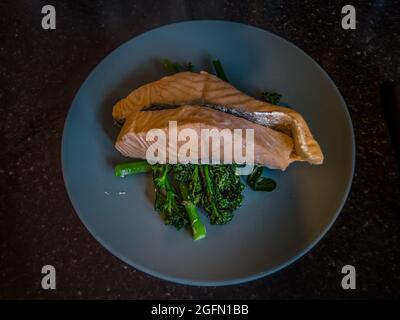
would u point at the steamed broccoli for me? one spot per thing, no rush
(125, 169)
(219, 70)
(259, 183)
(174, 67)
(222, 192)
(188, 181)
(271, 97)
(167, 201)
(189, 174)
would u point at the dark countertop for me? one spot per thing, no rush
(42, 70)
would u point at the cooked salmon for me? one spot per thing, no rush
(271, 148)
(204, 89)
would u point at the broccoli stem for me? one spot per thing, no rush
(162, 182)
(265, 184)
(259, 183)
(219, 70)
(125, 169)
(198, 228)
(254, 176)
(205, 169)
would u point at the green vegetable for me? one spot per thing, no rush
(189, 174)
(259, 183)
(271, 97)
(167, 201)
(219, 70)
(188, 180)
(254, 176)
(265, 184)
(174, 67)
(125, 169)
(222, 192)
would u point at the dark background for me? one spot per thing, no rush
(42, 70)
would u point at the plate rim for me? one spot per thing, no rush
(233, 281)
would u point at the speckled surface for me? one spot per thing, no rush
(40, 72)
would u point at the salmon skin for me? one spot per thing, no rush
(206, 90)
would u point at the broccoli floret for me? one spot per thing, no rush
(222, 193)
(167, 201)
(271, 97)
(174, 67)
(229, 185)
(189, 174)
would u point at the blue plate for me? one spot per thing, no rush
(271, 230)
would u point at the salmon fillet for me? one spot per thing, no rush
(271, 148)
(208, 90)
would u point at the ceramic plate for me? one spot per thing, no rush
(271, 230)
